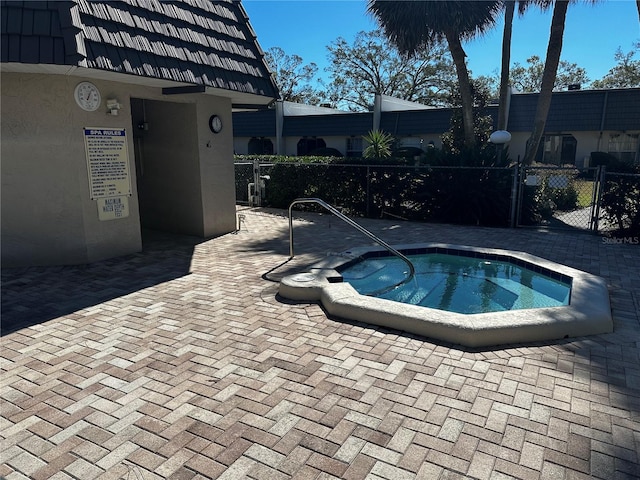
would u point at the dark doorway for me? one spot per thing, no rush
(167, 166)
(308, 145)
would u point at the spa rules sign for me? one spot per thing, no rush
(108, 162)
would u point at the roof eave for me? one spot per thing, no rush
(237, 97)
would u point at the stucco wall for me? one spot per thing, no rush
(586, 142)
(48, 217)
(217, 173)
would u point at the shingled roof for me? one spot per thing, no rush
(575, 111)
(204, 43)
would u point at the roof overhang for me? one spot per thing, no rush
(237, 98)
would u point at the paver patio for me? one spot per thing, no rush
(181, 362)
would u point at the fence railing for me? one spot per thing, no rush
(472, 195)
(553, 197)
(558, 197)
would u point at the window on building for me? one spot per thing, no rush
(308, 145)
(558, 150)
(624, 146)
(260, 146)
(354, 147)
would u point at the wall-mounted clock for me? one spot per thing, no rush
(87, 96)
(215, 123)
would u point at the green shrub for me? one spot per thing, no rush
(379, 145)
(541, 202)
(621, 199)
(602, 158)
(408, 153)
(391, 187)
(326, 152)
(564, 199)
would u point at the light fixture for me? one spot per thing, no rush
(113, 106)
(500, 137)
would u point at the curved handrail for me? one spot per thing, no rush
(361, 229)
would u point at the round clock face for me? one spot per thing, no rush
(215, 124)
(87, 96)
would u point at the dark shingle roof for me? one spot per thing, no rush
(327, 125)
(579, 110)
(583, 110)
(411, 122)
(201, 42)
(38, 32)
(261, 123)
(623, 110)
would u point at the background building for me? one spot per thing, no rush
(579, 122)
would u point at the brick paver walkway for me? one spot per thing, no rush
(180, 362)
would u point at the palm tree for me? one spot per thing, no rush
(506, 64)
(505, 80)
(413, 24)
(554, 49)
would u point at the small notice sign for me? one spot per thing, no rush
(108, 162)
(113, 208)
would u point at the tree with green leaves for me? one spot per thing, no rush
(371, 64)
(453, 140)
(626, 74)
(412, 25)
(292, 76)
(489, 84)
(528, 79)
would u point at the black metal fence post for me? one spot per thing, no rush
(601, 178)
(368, 191)
(514, 196)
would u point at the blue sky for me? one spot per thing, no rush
(593, 32)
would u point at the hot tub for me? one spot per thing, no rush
(568, 302)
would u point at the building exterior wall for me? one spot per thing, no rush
(291, 145)
(582, 114)
(48, 217)
(241, 145)
(587, 142)
(217, 173)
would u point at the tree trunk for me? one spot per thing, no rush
(458, 55)
(506, 63)
(554, 50)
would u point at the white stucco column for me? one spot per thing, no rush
(279, 128)
(377, 111)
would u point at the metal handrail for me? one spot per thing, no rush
(360, 228)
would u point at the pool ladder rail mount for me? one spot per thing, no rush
(358, 227)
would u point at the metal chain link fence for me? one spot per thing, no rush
(588, 199)
(558, 197)
(466, 195)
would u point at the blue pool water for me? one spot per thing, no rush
(458, 283)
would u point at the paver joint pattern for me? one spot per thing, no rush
(181, 362)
